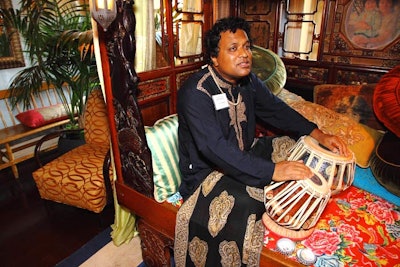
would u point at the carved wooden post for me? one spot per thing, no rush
(132, 156)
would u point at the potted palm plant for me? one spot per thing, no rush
(59, 43)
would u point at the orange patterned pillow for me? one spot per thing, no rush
(360, 138)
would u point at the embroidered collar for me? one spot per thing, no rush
(219, 80)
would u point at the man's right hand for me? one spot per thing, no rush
(291, 170)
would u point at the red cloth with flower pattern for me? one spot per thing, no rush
(356, 229)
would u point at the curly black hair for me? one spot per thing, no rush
(222, 25)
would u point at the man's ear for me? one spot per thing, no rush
(214, 61)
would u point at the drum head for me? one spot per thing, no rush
(325, 151)
(337, 170)
(317, 183)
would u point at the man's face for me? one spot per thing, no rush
(234, 58)
(370, 4)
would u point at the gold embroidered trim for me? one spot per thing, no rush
(255, 193)
(198, 250)
(236, 109)
(182, 229)
(253, 241)
(229, 252)
(281, 147)
(220, 208)
(210, 181)
(218, 81)
(232, 103)
(201, 82)
(237, 116)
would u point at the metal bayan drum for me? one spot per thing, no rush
(336, 169)
(294, 207)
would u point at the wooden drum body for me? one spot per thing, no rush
(294, 207)
(336, 169)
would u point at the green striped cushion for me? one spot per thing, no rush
(162, 139)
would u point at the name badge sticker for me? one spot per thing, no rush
(220, 101)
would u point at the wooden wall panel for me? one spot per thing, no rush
(154, 88)
(261, 16)
(342, 59)
(157, 109)
(157, 97)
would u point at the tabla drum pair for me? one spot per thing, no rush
(293, 207)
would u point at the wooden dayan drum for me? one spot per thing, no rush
(294, 207)
(338, 170)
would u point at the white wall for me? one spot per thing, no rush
(6, 75)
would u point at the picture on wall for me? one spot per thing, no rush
(372, 24)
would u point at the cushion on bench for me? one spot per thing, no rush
(386, 100)
(360, 138)
(21, 129)
(162, 139)
(37, 117)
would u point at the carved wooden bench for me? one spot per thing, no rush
(18, 140)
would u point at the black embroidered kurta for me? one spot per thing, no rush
(223, 173)
(211, 139)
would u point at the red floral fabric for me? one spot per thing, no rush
(356, 229)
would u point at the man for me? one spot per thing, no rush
(223, 169)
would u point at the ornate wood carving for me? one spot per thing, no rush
(156, 248)
(261, 17)
(307, 74)
(154, 88)
(357, 77)
(134, 155)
